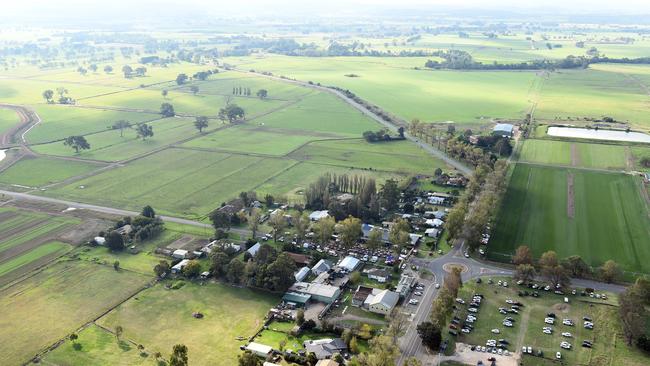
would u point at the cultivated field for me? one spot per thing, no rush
(55, 302)
(228, 313)
(599, 216)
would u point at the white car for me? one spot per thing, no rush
(558, 355)
(460, 301)
(466, 255)
(530, 349)
(509, 301)
(482, 349)
(508, 324)
(567, 334)
(547, 331)
(417, 293)
(568, 322)
(549, 321)
(505, 284)
(500, 351)
(473, 310)
(413, 302)
(437, 285)
(565, 345)
(496, 331)
(465, 330)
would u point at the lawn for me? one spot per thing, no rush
(587, 155)
(394, 84)
(37, 172)
(96, 346)
(55, 302)
(593, 93)
(527, 331)
(608, 209)
(8, 120)
(228, 313)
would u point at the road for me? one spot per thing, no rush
(410, 344)
(111, 210)
(428, 148)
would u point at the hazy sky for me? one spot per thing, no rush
(51, 9)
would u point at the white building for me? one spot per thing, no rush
(178, 268)
(301, 274)
(349, 263)
(382, 303)
(323, 265)
(99, 240)
(259, 349)
(180, 254)
(317, 215)
(254, 249)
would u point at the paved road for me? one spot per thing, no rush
(111, 210)
(410, 344)
(428, 148)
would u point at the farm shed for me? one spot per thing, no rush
(301, 273)
(317, 215)
(349, 263)
(323, 265)
(180, 265)
(503, 129)
(180, 254)
(259, 349)
(253, 250)
(382, 303)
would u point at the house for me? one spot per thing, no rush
(435, 214)
(125, 230)
(349, 263)
(415, 239)
(404, 286)
(254, 249)
(259, 349)
(323, 265)
(208, 248)
(325, 348)
(178, 268)
(300, 260)
(318, 292)
(301, 274)
(503, 129)
(100, 240)
(327, 363)
(366, 228)
(317, 215)
(379, 275)
(382, 303)
(432, 233)
(180, 254)
(436, 200)
(434, 222)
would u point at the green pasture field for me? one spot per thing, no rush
(110, 146)
(607, 334)
(229, 312)
(346, 155)
(96, 346)
(27, 91)
(42, 229)
(587, 155)
(191, 182)
(49, 249)
(293, 181)
(8, 120)
(55, 302)
(593, 93)
(255, 140)
(59, 122)
(40, 171)
(394, 84)
(610, 217)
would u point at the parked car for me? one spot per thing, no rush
(495, 331)
(413, 302)
(558, 355)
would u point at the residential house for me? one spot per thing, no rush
(382, 303)
(366, 228)
(432, 233)
(327, 363)
(379, 274)
(300, 260)
(325, 348)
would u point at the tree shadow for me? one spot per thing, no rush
(77, 346)
(124, 346)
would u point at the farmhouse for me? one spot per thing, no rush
(253, 250)
(179, 266)
(259, 349)
(323, 265)
(301, 274)
(503, 129)
(318, 292)
(325, 348)
(317, 215)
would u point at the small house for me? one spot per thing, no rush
(432, 233)
(382, 303)
(325, 348)
(323, 265)
(259, 349)
(379, 275)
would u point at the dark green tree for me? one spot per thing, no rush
(77, 143)
(114, 241)
(167, 110)
(200, 123)
(143, 130)
(179, 356)
(147, 211)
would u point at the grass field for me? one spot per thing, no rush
(607, 209)
(609, 346)
(393, 84)
(49, 249)
(585, 155)
(55, 302)
(593, 93)
(8, 119)
(228, 313)
(97, 346)
(37, 172)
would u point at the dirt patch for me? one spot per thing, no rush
(561, 307)
(575, 156)
(182, 243)
(85, 231)
(630, 161)
(4, 216)
(570, 197)
(449, 266)
(17, 250)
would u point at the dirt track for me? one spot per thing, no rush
(570, 197)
